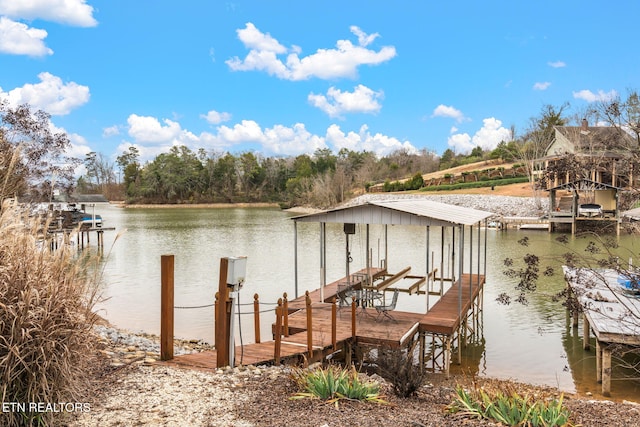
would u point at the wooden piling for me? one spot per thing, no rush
(353, 317)
(223, 321)
(606, 371)
(166, 307)
(334, 331)
(256, 317)
(585, 333)
(309, 326)
(285, 314)
(277, 346)
(215, 311)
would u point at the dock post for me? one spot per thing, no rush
(353, 317)
(598, 362)
(586, 345)
(166, 308)
(223, 321)
(309, 326)
(256, 318)
(216, 302)
(285, 314)
(278, 336)
(334, 332)
(606, 371)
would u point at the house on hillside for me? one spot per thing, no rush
(584, 169)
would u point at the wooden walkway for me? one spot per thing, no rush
(442, 322)
(609, 311)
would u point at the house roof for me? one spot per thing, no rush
(400, 212)
(584, 185)
(597, 138)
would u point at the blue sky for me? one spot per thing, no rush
(288, 77)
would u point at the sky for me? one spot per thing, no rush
(284, 78)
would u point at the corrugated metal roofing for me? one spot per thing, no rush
(400, 212)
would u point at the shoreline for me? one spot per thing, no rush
(139, 390)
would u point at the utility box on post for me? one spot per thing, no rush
(232, 277)
(236, 271)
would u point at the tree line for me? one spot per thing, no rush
(321, 179)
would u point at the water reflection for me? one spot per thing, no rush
(531, 343)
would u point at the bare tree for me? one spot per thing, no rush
(36, 155)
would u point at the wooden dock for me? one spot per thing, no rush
(358, 326)
(609, 310)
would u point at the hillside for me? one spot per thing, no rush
(521, 189)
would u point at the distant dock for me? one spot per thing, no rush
(610, 310)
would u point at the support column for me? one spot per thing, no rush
(606, 371)
(598, 362)
(585, 332)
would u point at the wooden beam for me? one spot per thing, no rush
(393, 279)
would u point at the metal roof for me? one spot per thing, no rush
(400, 212)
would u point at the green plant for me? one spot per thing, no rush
(334, 383)
(509, 409)
(46, 320)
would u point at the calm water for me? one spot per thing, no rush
(533, 343)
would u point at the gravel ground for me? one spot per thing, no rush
(165, 396)
(137, 393)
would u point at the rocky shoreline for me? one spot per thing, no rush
(498, 205)
(137, 389)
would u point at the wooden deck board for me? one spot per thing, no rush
(445, 316)
(371, 329)
(331, 289)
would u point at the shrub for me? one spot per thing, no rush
(509, 408)
(334, 383)
(46, 319)
(398, 366)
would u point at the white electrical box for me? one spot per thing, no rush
(236, 271)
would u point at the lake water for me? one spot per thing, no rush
(533, 343)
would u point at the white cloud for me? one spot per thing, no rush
(448, 111)
(364, 39)
(282, 140)
(111, 131)
(50, 95)
(149, 129)
(215, 117)
(70, 12)
(18, 39)
(379, 144)
(557, 64)
(153, 136)
(589, 96)
(336, 103)
(343, 61)
(460, 143)
(487, 138)
(541, 85)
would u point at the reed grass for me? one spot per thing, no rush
(46, 320)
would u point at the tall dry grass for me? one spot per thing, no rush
(46, 320)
